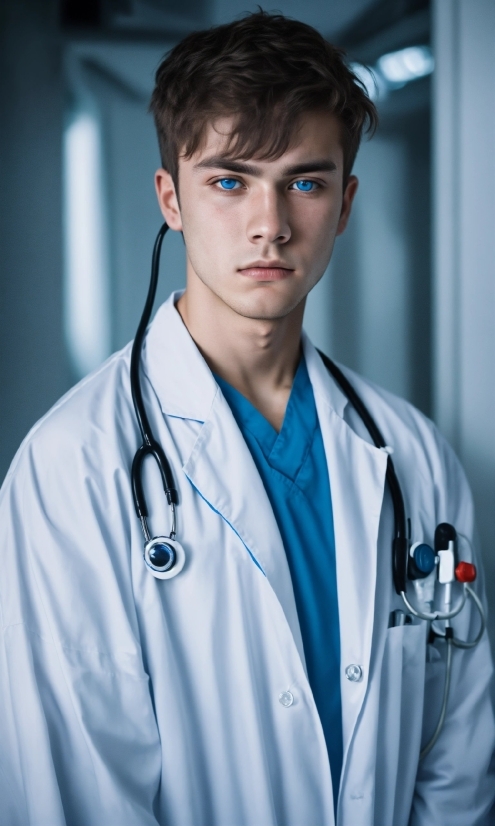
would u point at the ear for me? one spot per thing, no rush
(167, 199)
(348, 198)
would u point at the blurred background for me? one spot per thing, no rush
(409, 298)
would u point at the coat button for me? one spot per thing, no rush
(354, 673)
(286, 698)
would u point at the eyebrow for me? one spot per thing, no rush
(219, 162)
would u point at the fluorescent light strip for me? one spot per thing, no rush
(407, 64)
(87, 319)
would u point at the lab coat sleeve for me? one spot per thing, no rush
(78, 741)
(455, 781)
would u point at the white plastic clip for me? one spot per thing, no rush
(447, 564)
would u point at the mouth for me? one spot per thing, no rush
(266, 271)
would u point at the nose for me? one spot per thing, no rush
(269, 221)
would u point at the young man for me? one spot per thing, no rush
(262, 685)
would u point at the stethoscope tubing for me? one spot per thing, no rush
(437, 615)
(400, 544)
(149, 447)
(466, 643)
(137, 396)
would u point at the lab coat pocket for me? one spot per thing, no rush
(435, 673)
(400, 722)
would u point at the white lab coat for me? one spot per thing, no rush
(130, 701)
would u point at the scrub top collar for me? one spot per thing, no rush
(287, 449)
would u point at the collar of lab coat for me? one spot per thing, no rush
(187, 389)
(189, 394)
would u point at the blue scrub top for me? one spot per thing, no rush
(293, 468)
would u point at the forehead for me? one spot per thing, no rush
(317, 135)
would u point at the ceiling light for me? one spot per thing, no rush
(399, 68)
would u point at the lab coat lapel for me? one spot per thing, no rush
(357, 480)
(222, 469)
(220, 465)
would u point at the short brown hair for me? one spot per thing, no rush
(266, 70)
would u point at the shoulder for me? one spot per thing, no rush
(393, 414)
(66, 510)
(423, 458)
(67, 519)
(88, 424)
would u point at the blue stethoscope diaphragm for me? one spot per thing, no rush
(164, 557)
(422, 560)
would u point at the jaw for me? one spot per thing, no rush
(261, 312)
(238, 295)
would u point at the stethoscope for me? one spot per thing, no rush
(163, 555)
(417, 562)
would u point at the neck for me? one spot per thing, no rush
(258, 357)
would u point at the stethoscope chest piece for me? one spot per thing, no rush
(164, 557)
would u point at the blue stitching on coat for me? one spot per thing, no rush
(228, 523)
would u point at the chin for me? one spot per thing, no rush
(263, 307)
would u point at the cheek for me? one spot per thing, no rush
(212, 227)
(316, 225)
(208, 210)
(211, 235)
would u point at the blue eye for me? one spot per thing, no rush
(305, 186)
(228, 183)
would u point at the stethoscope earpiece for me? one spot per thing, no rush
(164, 557)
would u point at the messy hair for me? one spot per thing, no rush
(265, 71)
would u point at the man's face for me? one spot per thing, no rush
(259, 234)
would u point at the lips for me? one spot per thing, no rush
(269, 271)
